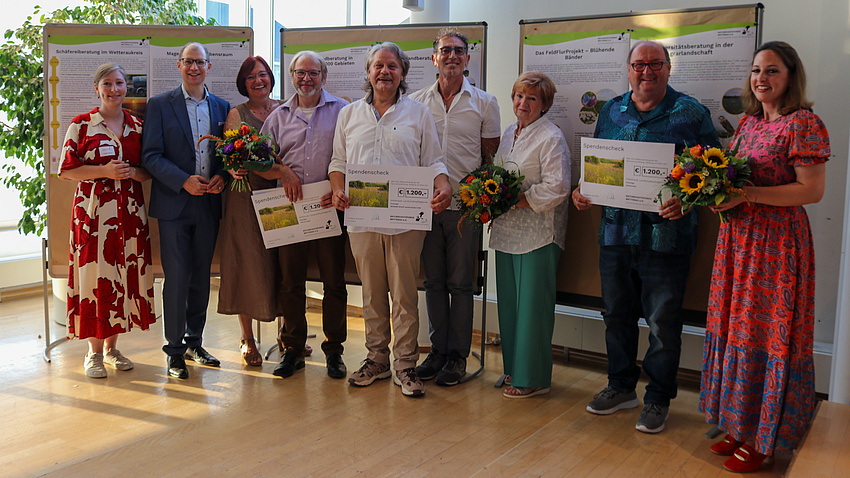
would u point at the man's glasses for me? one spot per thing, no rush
(447, 50)
(300, 74)
(191, 61)
(653, 65)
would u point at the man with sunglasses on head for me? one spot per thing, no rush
(644, 257)
(303, 130)
(185, 198)
(469, 129)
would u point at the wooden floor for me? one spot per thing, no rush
(242, 421)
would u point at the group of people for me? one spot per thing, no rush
(757, 381)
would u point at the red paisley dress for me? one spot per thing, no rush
(758, 375)
(110, 284)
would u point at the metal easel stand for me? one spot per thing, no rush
(482, 282)
(48, 346)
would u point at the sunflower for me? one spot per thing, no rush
(467, 195)
(715, 158)
(230, 133)
(492, 187)
(692, 183)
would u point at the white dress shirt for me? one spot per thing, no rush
(539, 153)
(404, 136)
(472, 115)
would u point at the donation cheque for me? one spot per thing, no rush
(625, 174)
(283, 222)
(392, 197)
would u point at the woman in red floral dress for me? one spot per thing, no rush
(110, 284)
(758, 373)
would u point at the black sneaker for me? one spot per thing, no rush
(609, 401)
(652, 418)
(429, 368)
(452, 371)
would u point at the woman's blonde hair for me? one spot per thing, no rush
(540, 84)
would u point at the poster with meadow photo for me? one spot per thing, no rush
(283, 222)
(625, 174)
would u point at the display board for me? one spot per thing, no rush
(345, 48)
(148, 53)
(710, 53)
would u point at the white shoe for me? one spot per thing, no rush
(115, 358)
(94, 366)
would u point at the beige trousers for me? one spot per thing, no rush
(390, 264)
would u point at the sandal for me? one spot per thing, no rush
(524, 392)
(251, 357)
(726, 446)
(746, 459)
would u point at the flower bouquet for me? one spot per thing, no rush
(706, 176)
(244, 149)
(487, 193)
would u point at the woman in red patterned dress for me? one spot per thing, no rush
(758, 373)
(110, 284)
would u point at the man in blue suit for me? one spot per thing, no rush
(185, 198)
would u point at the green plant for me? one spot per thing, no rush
(22, 86)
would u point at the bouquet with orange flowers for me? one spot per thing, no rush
(487, 193)
(706, 176)
(244, 149)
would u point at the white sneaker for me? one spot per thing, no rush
(115, 358)
(94, 366)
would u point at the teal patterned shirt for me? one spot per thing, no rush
(678, 119)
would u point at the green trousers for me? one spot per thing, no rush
(525, 284)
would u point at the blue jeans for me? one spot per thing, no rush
(638, 282)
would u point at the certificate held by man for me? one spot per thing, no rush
(393, 197)
(624, 174)
(283, 222)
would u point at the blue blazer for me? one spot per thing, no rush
(168, 151)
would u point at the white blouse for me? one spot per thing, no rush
(539, 153)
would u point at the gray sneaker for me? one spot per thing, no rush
(652, 418)
(609, 401)
(429, 367)
(410, 384)
(368, 373)
(452, 371)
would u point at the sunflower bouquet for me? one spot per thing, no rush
(706, 176)
(487, 193)
(244, 149)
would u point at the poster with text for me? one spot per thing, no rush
(71, 63)
(624, 174)
(390, 197)
(347, 66)
(588, 69)
(710, 63)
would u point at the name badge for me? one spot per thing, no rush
(106, 150)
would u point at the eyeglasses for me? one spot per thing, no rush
(300, 74)
(653, 65)
(261, 75)
(447, 50)
(190, 61)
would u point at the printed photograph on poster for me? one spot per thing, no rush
(624, 174)
(283, 222)
(393, 197)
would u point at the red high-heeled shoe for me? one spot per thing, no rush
(746, 460)
(726, 446)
